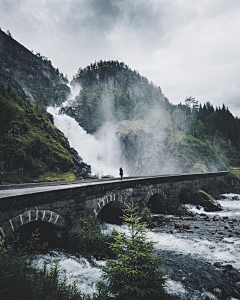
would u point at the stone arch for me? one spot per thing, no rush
(112, 212)
(157, 204)
(9, 227)
(103, 201)
(156, 201)
(113, 202)
(185, 196)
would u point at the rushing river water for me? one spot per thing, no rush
(215, 239)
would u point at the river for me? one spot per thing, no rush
(201, 262)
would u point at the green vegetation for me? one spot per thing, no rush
(112, 91)
(21, 282)
(145, 215)
(136, 274)
(31, 147)
(156, 134)
(206, 194)
(91, 239)
(34, 72)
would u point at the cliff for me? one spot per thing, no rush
(38, 78)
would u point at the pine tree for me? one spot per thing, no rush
(136, 274)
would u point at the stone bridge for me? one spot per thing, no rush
(60, 205)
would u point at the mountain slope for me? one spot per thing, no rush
(31, 148)
(156, 136)
(111, 91)
(35, 73)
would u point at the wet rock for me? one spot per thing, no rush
(237, 284)
(181, 226)
(227, 267)
(82, 169)
(153, 224)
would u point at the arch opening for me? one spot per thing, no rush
(157, 204)
(38, 236)
(112, 213)
(185, 196)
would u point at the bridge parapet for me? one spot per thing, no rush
(66, 203)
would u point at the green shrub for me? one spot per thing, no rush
(18, 281)
(91, 239)
(136, 274)
(145, 215)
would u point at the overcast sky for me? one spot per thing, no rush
(187, 47)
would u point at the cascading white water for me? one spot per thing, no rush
(102, 151)
(86, 274)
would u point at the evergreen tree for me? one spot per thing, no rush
(136, 274)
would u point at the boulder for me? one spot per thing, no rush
(207, 202)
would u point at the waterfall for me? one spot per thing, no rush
(102, 151)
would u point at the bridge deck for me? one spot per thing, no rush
(26, 189)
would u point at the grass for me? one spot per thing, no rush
(203, 192)
(40, 152)
(51, 176)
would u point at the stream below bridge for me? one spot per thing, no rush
(201, 254)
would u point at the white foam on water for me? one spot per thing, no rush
(72, 268)
(226, 251)
(231, 195)
(86, 274)
(231, 207)
(176, 288)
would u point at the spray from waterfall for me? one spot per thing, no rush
(102, 151)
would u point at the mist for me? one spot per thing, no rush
(102, 150)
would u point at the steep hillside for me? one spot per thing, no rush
(35, 73)
(156, 136)
(31, 148)
(111, 91)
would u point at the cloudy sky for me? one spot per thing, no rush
(187, 47)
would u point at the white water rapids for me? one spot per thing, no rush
(86, 273)
(102, 151)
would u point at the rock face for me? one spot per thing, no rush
(31, 148)
(40, 81)
(82, 170)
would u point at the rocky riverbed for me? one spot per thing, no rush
(201, 255)
(201, 252)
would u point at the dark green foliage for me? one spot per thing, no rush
(30, 146)
(91, 239)
(196, 138)
(18, 281)
(136, 274)
(111, 91)
(145, 215)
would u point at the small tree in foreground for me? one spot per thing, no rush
(136, 274)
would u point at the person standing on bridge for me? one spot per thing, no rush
(121, 173)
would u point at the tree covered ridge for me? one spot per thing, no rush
(154, 132)
(111, 90)
(214, 128)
